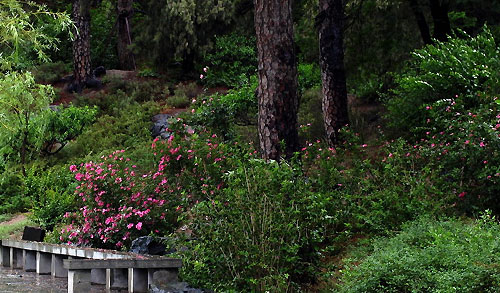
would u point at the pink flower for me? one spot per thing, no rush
(79, 176)
(201, 76)
(462, 194)
(467, 142)
(72, 168)
(138, 226)
(129, 226)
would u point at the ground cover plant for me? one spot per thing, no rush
(429, 256)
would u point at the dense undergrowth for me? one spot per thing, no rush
(250, 225)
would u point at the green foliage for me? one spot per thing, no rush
(49, 73)
(261, 232)
(460, 67)
(65, 124)
(22, 101)
(309, 76)
(130, 128)
(462, 144)
(310, 116)
(22, 38)
(52, 193)
(12, 191)
(121, 94)
(147, 72)
(183, 30)
(430, 256)
(102, 38)
(232, 61)
(375, 192)
(219, 112)
(178, 101)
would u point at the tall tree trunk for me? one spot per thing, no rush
(277, 71)
(421, 22)
(439, 12)
(81, 44)
(125, 56)
(331, 44)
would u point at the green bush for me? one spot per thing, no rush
(65, 124)
(178, 101)
(52, 193)
(310, 116)
(233, 60)
(463, 146)
(129, 129)
(260, 233)
(309, 76)
(461, 67)
(12, 193)
(49, 73)
(430, 256)
(220, 112)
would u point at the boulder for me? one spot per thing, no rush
(160, 125)
(147, 245)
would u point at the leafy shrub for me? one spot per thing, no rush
(220, 112)
(461, 66)
(65, 124)
(118, 204)
(125, 201)
(49, 73)
(261, 232)
(12, 193)
(189, 90)
(376, 187)
(310, 116)
(52, 194)
(233, 60)
(147, 72)
(463, 146)
(309, 76)
(178, 101)
(102, 43)
(430, 256)
(130, 128)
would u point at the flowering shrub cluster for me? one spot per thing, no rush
(463, 145)
(119, 203)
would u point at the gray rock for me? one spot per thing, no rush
(160, 125)
(147, 245)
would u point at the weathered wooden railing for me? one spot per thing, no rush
(84, 266)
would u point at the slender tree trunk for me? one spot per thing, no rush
(125, 56)
(421, 22)
(331, 44)
(277, 71)
(439, 12)
(81, 44)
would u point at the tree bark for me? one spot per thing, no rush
(439, 12)
(334, 89)
(277, 72)
(421, 22)
(81, 44)
(125, 56)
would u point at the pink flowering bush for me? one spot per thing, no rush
(463, 146)
(120, 203)
(117, 204)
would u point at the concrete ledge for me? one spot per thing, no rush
(68, 250)
(158, 263)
